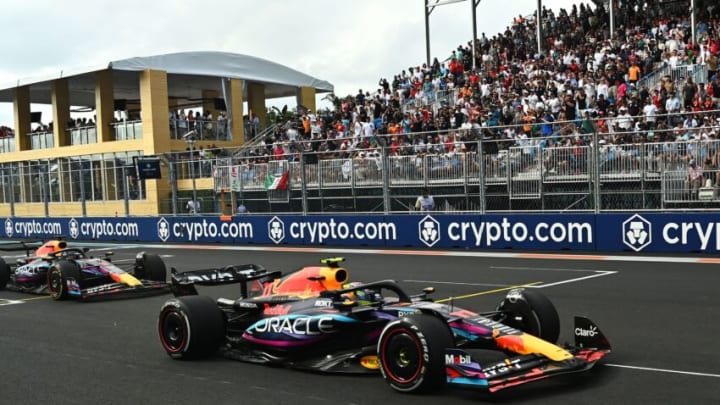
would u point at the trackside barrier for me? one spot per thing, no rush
(638, 232)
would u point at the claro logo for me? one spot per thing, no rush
(589, 332)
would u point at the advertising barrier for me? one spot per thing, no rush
(634, 232)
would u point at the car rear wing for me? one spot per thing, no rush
(184, 283)
(21, 245)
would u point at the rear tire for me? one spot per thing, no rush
(59, 276)
(533, 313)
(411, 351)
(151, 267)
(191, 327)
(4, 273)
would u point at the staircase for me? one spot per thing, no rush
(678, 75)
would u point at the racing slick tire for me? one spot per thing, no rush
(151, 267)
(411, 352)
(4, 273)
(531, 312)
(191, 327)
(57, 278)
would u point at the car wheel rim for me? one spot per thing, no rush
(55, 283)
(173, 331)
(403, 357)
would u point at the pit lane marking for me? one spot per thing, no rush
(664, 370)
(488, 292)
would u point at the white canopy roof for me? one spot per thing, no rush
(189, 73)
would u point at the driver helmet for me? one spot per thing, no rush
(361, 296)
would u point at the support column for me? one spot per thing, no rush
(61, 111)
(236, 112)
(306, 97)
(154, 110)
(256, 101)
(104, 105)
(21, 110)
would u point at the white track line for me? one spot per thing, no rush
(664, 370)
(456, 283)
(573, 280)
(541, 269)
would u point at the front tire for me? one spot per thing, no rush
(151, 267)
(4, 273)
(411, 351)
(531, 312)
(59, 278)
(191, 327)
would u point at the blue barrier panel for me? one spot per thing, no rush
(642, 232)
(521, 231)
(547, 232)
(681, 232)
(338, 230)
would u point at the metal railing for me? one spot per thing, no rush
(83, 135)
(209, 130)
(524, 173)
(127, 130)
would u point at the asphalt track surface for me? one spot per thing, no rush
(661, 317)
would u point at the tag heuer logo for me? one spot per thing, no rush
(276, 230)
(163, 229)
(637, 232)
(429, 231)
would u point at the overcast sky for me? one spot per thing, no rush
(350, 43)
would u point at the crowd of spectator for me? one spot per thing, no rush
(583, 81)
(6, 132)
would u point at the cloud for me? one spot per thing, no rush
(352, 44)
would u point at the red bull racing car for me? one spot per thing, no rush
(67, 272)
(315, 319)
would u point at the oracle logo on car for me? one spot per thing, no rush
(300, 325)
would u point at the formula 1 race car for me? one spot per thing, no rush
(66, 272)
(315, 319)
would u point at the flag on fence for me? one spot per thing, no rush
(235, 178)
(275, 182)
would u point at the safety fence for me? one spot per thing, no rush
(531, 172)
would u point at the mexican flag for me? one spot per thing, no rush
(274, 182)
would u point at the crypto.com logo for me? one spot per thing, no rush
(73, 228)
(637, 232)
(163, 229)
(9, 228)
(276, 230)
(429, 231)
